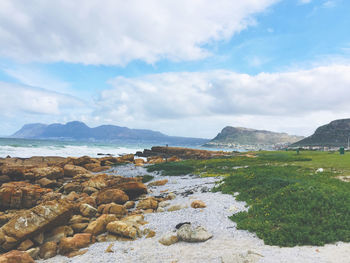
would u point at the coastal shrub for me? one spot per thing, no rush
(146, 178)
(291, 206)
(173, 168)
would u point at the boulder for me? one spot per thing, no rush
(129, 204)
(47, 183)
(51, 172)
(25, 245)
(110, 195)
(132, 188)
(72, 187)
(58, 233)
(16, 256)
(99, 225)
(48, 250)
(148, 203)
(33, 252)
(168, 239)
(69, 244)
(198, 204)
(158, 183)
(79, 227)
(18, 195)
(176, 207)
(139, 162)
(189, 234)
(113, 208)
(35, 220)
(73, 170)
(124, 229)
(97, 182)
(87, 210)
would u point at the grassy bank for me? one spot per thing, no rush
(290, 204)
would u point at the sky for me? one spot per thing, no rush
(185, 68)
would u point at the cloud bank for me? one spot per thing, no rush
(115, 32)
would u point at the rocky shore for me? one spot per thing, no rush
(102, 210)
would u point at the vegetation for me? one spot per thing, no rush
(289, 202)
(146, 178)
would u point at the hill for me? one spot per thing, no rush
(233, 136)
(79, 131)
(333, 134)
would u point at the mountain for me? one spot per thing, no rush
(333, 134)
(79, 131)
(233, 136)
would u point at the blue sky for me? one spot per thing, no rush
(183, 68)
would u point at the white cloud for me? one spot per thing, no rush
(291, 101)
(117, 31)
(17, 99)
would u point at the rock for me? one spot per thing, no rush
(76, 253)
(4, 179)
(174, 159)
(78, 219)
(79, 227)
(160, 210)
(109, 249)
(35, 220)
(47, 183)
(158, 183)
(115, 209)
(72, 187)
(33, 252)
(58, 233)
(25, 245)
(168, 239)
(163, 204)
(122, 228)
(148, 203)
(39, 239)
(99, 225)
(171, 196)
(149, 233)
(15, 256)
(129, 204)
(134, 219)
(92, 166)
(110, 195)
(176, 207)
(73, 170)
(126, 158)
(97, 182)
(198, 204)
(181, 224)
(101, 169)
(51, 172)
(89, 190)
(18, 195)
(48, 250)
(84, 160)
(139, 162)
(189, 234)
(132, 188)
(69, 244)
(155, 160)
(87, 210)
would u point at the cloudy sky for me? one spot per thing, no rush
(181, 67)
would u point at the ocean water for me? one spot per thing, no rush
(26, 148)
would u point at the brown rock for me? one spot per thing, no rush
(79, 227)
(198, 204)
(99, 225)
(148, 203)
(87, 210)
(110, 195)
(69, 244)
(35, 220)
(132, 188)
(98, 182)
(109, 249)
(47, 172)
(48, 250)
(15, 256)
(39, 238)
(101, 169)
(115, 209)
(58, 233)
(20, 195)
(78, 219)
(126, 158)
(89, 190)
(76, 253)
(92, 166)
(47, 183)
(73, 170)
(72, 187)
(122, 228)
(129, 204)
(25, 245)
(33, 252)
(134, 219)
(158, 183)
(139, 162)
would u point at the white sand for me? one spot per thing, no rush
(227, 245)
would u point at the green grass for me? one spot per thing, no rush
(289, 204)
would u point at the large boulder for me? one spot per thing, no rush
(48, 250)
(97, 182)
(148, 203)
(20, 195)
(115, 209)
(133, 188)
(47, 172)
(189, 234)
(124, 229)
(35, 220)
(99, 225)
(110, 195)
(16, 256)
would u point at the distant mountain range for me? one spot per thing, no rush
(334, 134)
(233, 136)
(79, 131)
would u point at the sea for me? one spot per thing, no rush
(25, 148)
